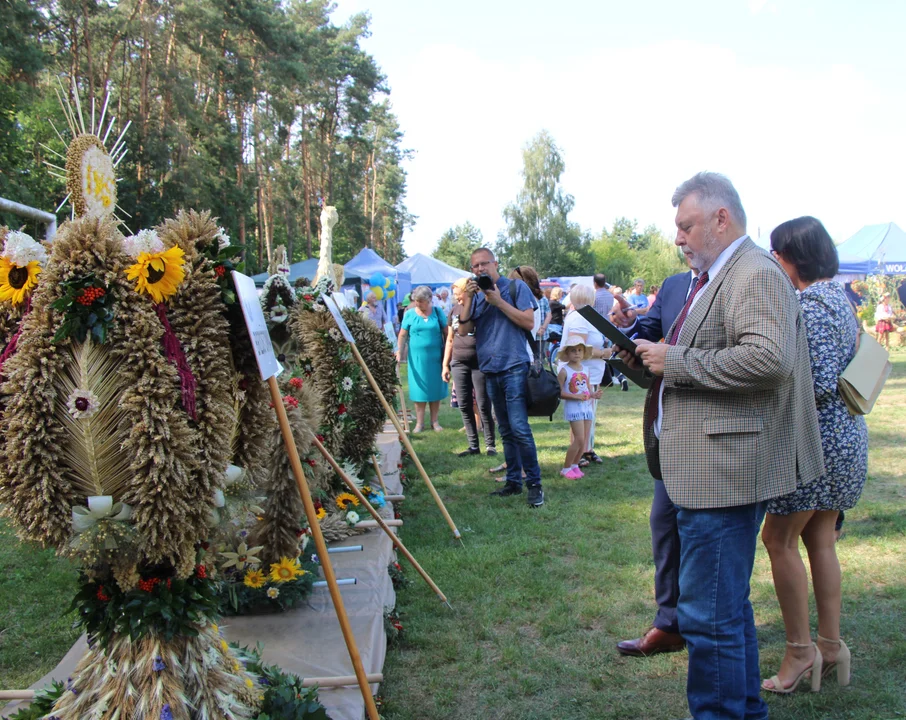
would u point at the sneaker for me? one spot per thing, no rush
(470, 451)
(574, 474)
(535, 496)
(509, 489)
(625, 383)
(491, 451)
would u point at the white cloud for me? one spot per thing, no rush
(633, 123)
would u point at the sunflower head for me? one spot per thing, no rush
(158, 273)
(321, 513)
(254, 579)
(286, 570)
(344, 500)
(17, 281)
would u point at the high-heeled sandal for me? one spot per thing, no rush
(843, 663)
(814, 670)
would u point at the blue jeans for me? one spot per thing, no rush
(507, 392)
(717, 552)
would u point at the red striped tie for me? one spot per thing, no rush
(655, 391)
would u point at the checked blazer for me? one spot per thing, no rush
(740, 424)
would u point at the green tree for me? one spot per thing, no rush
(657, 258)
(539, 232)
(457, 245)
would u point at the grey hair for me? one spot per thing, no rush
(714, 191)
(581, 295)
(369, 296)
(639, 280)
(422, 292)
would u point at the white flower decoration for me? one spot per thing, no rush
(82, 403)
(279, 313)
(144, 241)
(244, 556)
(335, 334)
(223, 240)
(21, 248)
(352, 517)
(98, 182)
(319, 307)
(273, 593)
(347, 384)
(305, 540)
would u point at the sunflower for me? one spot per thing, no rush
(254, 579)
(344, 499)
(286, 570)
(321, 513)
(17, 281)
(158, 274)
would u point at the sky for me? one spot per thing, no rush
(801, 103)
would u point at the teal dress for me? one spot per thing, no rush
(425, 356)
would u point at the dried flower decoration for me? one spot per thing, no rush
(158, 274)
(21, 249)
(273, 593)
(223, 240)
(347, 384)
(82, 403)
(144, 241)
(243, 556)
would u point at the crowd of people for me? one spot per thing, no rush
(744, 429)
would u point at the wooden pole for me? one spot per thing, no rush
(402, 400)
(321, 546)
(369, 524)
(383, 524)
(17, 694)
(380, 475)
(405, 439)
(340, 680)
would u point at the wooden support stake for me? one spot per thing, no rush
(380, 475)
(405, 439)
(402, 400)
(383, 524)
(370, 524)
(321, 547)
(17, 694)
(340, 680)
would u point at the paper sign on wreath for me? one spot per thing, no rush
(338, 318)
(257, 326)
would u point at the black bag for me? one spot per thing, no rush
(542, 389)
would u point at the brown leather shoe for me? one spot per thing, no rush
(654, 641)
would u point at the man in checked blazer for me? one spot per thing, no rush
(729, 423)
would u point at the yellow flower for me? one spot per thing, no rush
(158, 274)
(344, 499)
(249, 683)
(17, 282)
(321, 514)
(254, 579)
(285, 570)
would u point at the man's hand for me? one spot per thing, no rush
(653, 355)
(471, 288)
(493, 296)
(622, 318)
(631, 361)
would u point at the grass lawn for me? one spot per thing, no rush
(540, 597)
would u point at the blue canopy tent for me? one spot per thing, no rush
(882, 247)
(368, 263)
(434, 273)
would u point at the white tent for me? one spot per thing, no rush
(430, 271)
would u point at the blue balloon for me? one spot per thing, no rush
(376, 280)
(392, 285)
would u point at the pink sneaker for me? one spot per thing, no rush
(574, 474)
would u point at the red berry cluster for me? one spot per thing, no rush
(296, 383)
(219, 270)
(320, 438)
(201, 572)
(89, 295)
(309, 298)
(149, 584)
(102, 596)
(341, 409)
(311, 461)
(290, 401)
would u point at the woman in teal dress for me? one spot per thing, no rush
(421, 340)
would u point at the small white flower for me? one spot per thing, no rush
(273, 593)
(319, 307)
(352, 517)
(21, 248)
(223, 240)
(243, 556)
(305, 540)
(82, 403)
(279, 313)
(146, 241)
(347, 384)
(335, 334)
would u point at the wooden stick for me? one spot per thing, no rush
(369, 524)
(321, 546)
(402, 400)
(380, 475)
(17, 694)
(383, 524)
(340, 680)
(405, 439)
(394, 498)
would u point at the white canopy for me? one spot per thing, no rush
(430, 271)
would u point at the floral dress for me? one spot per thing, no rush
(832, 330)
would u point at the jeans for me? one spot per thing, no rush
(507, 392)
(717, 552)
(665, 547)
(465, 380)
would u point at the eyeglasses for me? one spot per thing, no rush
(483, 263)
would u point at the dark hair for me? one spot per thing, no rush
(529, 276)
(805, 244)
(600, 280)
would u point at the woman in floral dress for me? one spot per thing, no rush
(807, 254)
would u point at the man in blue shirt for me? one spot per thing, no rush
(500, 318)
